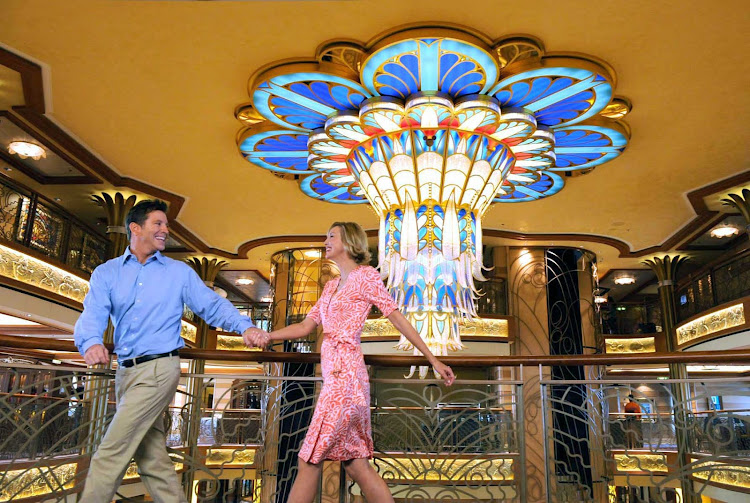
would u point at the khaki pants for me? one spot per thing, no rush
(137, 432)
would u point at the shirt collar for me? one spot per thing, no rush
(156, 256)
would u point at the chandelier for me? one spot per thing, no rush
(430, 126)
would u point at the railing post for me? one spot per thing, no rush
(545, 439)
(521, 484)
(666, 272)
(207, 269)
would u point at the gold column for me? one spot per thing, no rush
(207, 270)
(97, 388)
(666, 271)
(742, 204)
(527, 302)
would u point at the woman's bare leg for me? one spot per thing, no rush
(306, 484)
(373, 487)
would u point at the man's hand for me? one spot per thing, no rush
(255, 338)
(96, 354)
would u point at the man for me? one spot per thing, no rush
(633, 423)
(143, 293)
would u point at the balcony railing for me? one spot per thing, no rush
(484, 439)
(716, 286)
(38, 224)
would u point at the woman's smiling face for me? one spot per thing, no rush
(334, 246)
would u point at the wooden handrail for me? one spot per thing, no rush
(740, 356)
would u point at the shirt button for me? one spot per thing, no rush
(137, 300)
(140, 284)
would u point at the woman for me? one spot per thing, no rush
(340, 429)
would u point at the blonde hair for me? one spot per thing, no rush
(354, 239)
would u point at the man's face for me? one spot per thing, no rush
(152, 235)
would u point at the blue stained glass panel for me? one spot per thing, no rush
(335, 96)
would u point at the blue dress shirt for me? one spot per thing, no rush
(145, 303)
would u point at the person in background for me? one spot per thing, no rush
(633, 423)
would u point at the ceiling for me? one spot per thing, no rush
(150, 89)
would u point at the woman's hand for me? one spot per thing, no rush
(445, 372)
(255, 338)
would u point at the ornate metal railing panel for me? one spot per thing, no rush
(432, 443)
(636, 455)
(45, 431)
(463, 443)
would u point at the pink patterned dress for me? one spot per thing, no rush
(340, 427)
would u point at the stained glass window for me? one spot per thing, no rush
(47, 231)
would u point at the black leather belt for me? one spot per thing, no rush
(147, 358)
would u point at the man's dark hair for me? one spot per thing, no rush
(631, 397)
(139, 212)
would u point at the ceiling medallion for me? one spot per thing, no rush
(431, 126)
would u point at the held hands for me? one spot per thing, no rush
(256, 338)
(445, 372)
(96, 354)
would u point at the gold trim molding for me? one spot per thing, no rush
(478, 327)
(238, 456)
(31, 482)
(188, 331)
(132, 471)
(729, 317)
(641, 463)
(444, 469)
(34, 272)
(722, 473)
(232, 343)
(634, 345)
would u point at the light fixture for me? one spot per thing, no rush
(431, 129)
(312, 253)
(243, 281)
(24, 149)
(724, 231)
(600, 299)
(624, 280)
(267, 298)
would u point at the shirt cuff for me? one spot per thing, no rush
(85, 345)
(243, 325)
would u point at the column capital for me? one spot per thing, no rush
(666, 268)
(207, 268)
(116, 209)
(741, 203)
